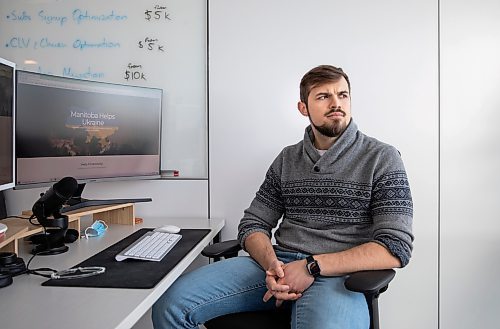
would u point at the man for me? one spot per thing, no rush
(346, 206)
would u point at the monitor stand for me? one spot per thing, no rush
(77, 202)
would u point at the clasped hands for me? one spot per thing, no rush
(287, 281)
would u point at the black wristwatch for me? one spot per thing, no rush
(312, 266)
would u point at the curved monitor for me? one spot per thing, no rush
(7, 87)
(85, 129)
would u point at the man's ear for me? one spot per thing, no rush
(302, 107)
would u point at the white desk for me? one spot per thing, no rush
(27, 304)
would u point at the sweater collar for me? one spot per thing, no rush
(342, 143)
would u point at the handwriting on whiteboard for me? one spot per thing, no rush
(134, 72)
(157, 13)
(75, 22)
(151, 44)
(78, 16)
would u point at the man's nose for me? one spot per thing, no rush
(334, 102)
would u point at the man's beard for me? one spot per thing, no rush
(335, 129)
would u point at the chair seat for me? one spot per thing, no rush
(252, 320)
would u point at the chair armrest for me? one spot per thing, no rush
(370, 282)
(225, 249)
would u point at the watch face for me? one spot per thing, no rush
(314, 267)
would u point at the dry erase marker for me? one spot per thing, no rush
(169, 173)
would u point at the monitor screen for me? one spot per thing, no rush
(85, 129)
(7, 85)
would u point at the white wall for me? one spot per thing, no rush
(470, 162)
(259, 50)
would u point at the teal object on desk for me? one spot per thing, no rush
(97, 228)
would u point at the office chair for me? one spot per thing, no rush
(370, 283)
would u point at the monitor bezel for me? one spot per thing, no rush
(20, 186)
(9, 185)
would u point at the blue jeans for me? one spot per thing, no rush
(238, 284)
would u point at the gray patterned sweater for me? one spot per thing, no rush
(355, 193)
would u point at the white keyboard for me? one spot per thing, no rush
(151, 246)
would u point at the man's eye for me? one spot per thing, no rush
(322, 97)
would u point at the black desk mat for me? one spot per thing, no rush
(131, 273)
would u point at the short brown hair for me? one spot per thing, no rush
(320, 75)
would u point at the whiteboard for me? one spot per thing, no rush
(159, 44)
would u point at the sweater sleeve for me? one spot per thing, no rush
(392, 207)
(266, 208)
